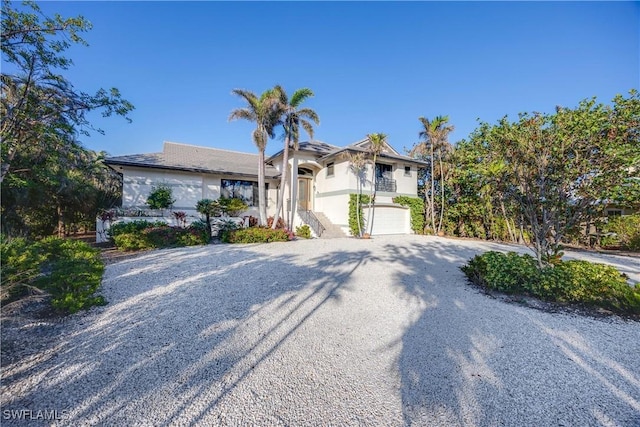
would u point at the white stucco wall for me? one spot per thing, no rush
(332, 192)
(406, 185)
(187, 188)
(341, 180)
(344, 180)
(336, 208)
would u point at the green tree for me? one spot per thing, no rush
(377, 142)
(292, 117)
(58, 190)
(434, 143)
(43, 165)
(358, 166)
(553, 172)
(160, 197)
(232, 206)
(263, 111)
(209, 208)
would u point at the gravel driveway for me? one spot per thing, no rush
(326, 332)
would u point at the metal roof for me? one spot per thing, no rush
(192, 158)
(316, 147)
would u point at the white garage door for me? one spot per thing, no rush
(391, 220)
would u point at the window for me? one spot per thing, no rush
(384, 178)
(384, 171)
(407, 171)
(614, 212)
(330, 169)
(247, 191)
(305, 172)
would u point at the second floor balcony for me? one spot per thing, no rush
(386, 184)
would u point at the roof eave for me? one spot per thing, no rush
(383, 155)
(187, 169)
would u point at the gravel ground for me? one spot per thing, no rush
(325, 332)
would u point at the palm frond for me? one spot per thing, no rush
(308, 127)
(281, 95)
(248, 96)
(299, 96)
(310, 114)
(259, 138)
(242, 114)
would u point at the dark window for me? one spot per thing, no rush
(384, 178)
(247, 191)
(407, 171)
(330, 169)
(384, 171)
(305, 172)
(614, 212)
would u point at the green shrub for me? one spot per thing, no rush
(160, 235)
(161, 197)
(192, 237)
(625, 232)
(233, 207)
(257, 235)
(20, 267)
(132, 227)
(226, 226)
(416, 207)
(355, 211)
(202, 228)
(303, 231)
(610, 241)
(509, 273)
(69, 270)
(594, 284)
(131, 242)
(209, 208)
(568, 281)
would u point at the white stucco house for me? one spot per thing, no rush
(318, 186)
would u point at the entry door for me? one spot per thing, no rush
(304, 194)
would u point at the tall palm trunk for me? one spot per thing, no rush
(441, 191)
(432, 195)
(291, 116)
(262, 205)
(358, 208)
(283, 182)
(372, 201)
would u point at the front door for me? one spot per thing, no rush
(304, 194)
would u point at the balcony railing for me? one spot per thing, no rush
(386, 184)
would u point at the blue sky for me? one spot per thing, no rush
(374, 66)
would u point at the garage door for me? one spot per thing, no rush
(391, 220)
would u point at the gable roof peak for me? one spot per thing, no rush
(366, 143)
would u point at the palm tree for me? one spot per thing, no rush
(434, 134)
(377, 143)
(292, 116)
(208, 208)
(443, 150)
(358, 166)
(263, 111)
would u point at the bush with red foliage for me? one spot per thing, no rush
(280, 224)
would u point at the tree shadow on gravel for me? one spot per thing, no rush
(473, 360)
(189, 329)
